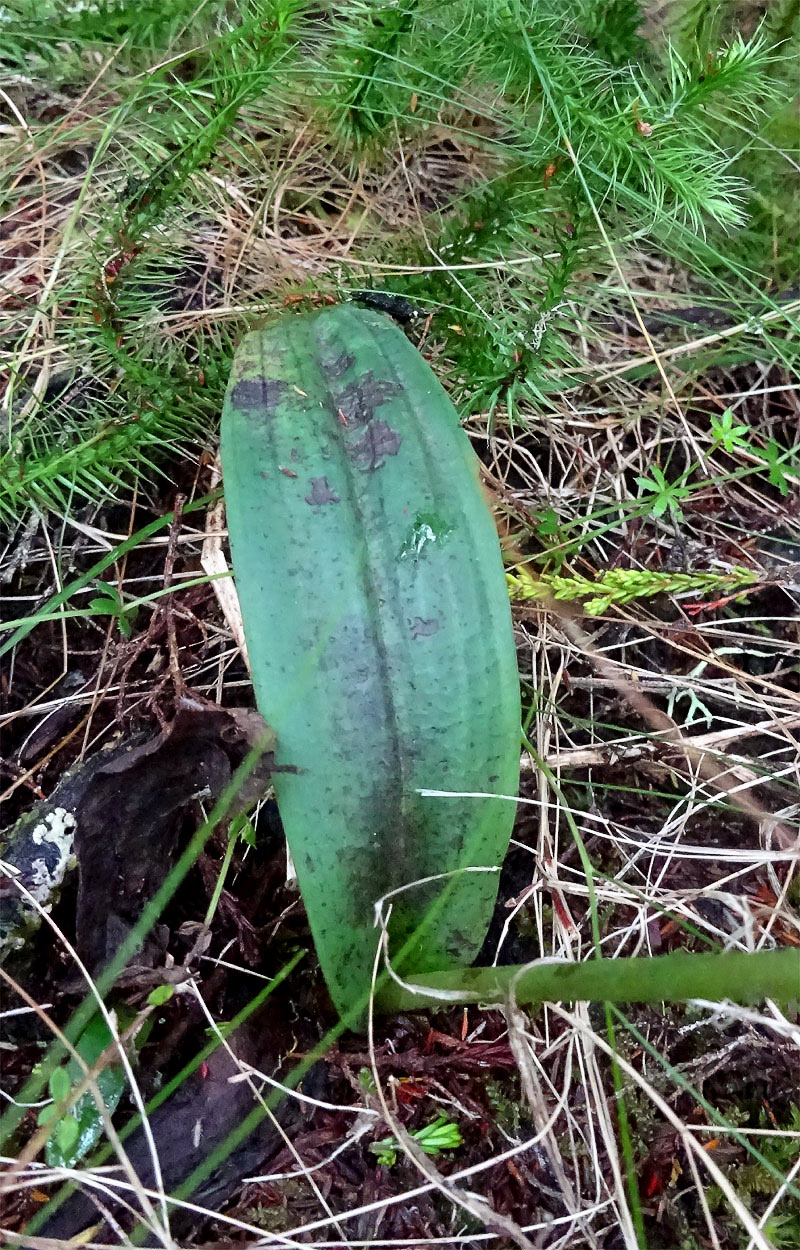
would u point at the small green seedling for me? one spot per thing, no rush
(244, 827)
(110, 603)
(367, 1080)
(662, 496)
(728, 435)
(442, 1134)
(77, 1125)
(547, 526)
(65, 1128)
(774, 458)
(548, 531)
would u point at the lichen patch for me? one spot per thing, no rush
(56, 830)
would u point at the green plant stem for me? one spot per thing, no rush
(735, 975)
(624, 1133)
(127, 609)
(233, 834)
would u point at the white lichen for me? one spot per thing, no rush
(57, 828)
(41, 876)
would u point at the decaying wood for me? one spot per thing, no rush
(117, 818)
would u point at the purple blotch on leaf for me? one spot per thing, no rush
(420, 628)
(257, 394)
(321, 493)
(358, 400)
(377, 441)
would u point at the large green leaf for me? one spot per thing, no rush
(379, 630)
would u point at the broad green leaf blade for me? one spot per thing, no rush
(378, 625)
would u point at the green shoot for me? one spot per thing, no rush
(442, 1134)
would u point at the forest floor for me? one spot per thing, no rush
(633, 398)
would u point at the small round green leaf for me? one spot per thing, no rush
(59, 1085)
(67, 1133)
(160, 995)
